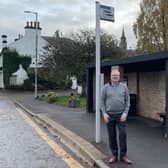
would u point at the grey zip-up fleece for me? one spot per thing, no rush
(115, 98)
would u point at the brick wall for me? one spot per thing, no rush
(151, 94)
(151, 98)
(132, 83)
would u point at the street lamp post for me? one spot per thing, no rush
(36, 50)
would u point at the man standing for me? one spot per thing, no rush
(115, 103)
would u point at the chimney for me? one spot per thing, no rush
(30, 29)
(35, 24)
(38, 25)
(4, 41)
(31, 24)
(20, 36)
(27, 24)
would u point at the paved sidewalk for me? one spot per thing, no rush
(146, 145)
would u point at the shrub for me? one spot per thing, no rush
(15, 87)
(68, 84)
(28, 85)
(52, 98)
(51, 94)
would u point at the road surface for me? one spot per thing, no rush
(23, 144)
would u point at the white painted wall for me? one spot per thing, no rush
(74, 83)
(26, 45)
(19, 76)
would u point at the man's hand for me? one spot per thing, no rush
(106, 118)
(123, 117)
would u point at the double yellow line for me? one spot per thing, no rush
(56, 148)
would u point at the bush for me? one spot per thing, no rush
(51, 94)
(52, 99)
(28, 85)
(68, 84)
(15, 87)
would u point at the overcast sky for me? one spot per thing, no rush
(67, 15)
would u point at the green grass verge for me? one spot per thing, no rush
(83, 103)
(63, 101)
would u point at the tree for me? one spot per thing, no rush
(151, 26)
(109, 47)
(58, 60)
(70, 55)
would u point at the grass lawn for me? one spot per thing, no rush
(64, 100)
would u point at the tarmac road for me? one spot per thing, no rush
(24, 145)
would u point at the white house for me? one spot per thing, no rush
(74, 82)
(25, 45)
(4, 45)
(19, 76)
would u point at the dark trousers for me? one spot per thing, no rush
(112, 126)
